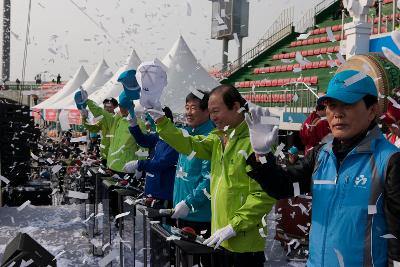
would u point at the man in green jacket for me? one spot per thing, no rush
(110, 104)
(237, 202)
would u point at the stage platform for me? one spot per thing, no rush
(61, 230)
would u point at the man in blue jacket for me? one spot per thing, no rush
(160, 168)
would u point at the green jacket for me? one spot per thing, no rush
(123, 146)
(236, 199)
(105, 141)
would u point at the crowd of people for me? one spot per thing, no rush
(222, 172)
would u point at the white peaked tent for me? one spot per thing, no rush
(184, 74)
(77, 80)
(113, 88)
(96, 80)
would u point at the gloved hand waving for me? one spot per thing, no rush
(181, 210)
(152, 79)
(262, 135)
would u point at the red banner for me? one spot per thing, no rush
(74, 117)
(50, 114)
(35, 113)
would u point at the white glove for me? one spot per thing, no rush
(152, 79)
(220, 236)
(155, 114)
(132, 120)
(84, 113)
(389, 54)
(262, 136)
(181, 210)
(131, 166)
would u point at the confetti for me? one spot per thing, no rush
(105, 246)
(185, 132)
(262, 233)
(302, 228)
(295, 98)
(173, 237)
(232, 134)
(324, 182)
(49, 160)
(243, 153)
(118, 151)
(296, 70)
(341, 58)
(304, 36)
(4, 179)
(196, 92)
(129, 201)
(236, 38)
(241, 110)
(26, 263)
(188, 9)
(263, 220)
(109, 258)
(78, 195)
(296, 189)
(122, 215)
(154, 222)
(226, 128)
(59, 255)
(56, 168)
(355, 78)
(263, 160)
(206, 193)
(203, 232)
(190, 157)
(329, 32)
(388, 236)
(24, 205)
(279, 149)
(340, 257)
(372, 209)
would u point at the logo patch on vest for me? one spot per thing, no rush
(360, 181)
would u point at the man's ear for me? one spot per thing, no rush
(373, 112)
(236, 106)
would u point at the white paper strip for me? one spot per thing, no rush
(279, 149)
(331, 37)
(263, 160)
(185, 132)
(24, 205)
(371, 209)
(396, 263)
(79, 195)
(304, 36)
(122, 215)
(56, 168)
(4, 179)
(173, 237)
(264, 221)
(105, 246)
(340, 257)
(190, 157)
(129, 201)
(355, 78)
(296, 189)
(270, 120)
(243, 153)
(59, 254)
(206, 193)
(109, 258)
(118, 150)
(241, 110)
(341, 58)
(49, 160)
(196, 92)
(388, 236)
(324, 181)
(262, 234)
(236, 38)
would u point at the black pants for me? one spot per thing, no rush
(228, 259)
(113, 196)
(198, 227)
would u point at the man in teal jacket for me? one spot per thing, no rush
(192, 179)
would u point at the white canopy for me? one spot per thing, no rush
(113, 88)
(96, 80)
(184, 73)
(77, 80)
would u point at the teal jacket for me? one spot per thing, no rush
(192, 178)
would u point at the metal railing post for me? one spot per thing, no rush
(394, 15)
(380, 16)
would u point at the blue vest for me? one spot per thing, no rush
(347, 208)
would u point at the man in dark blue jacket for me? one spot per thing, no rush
(160, 168)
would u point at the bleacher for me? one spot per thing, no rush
(274, 77)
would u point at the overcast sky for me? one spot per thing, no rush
(64, 36)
